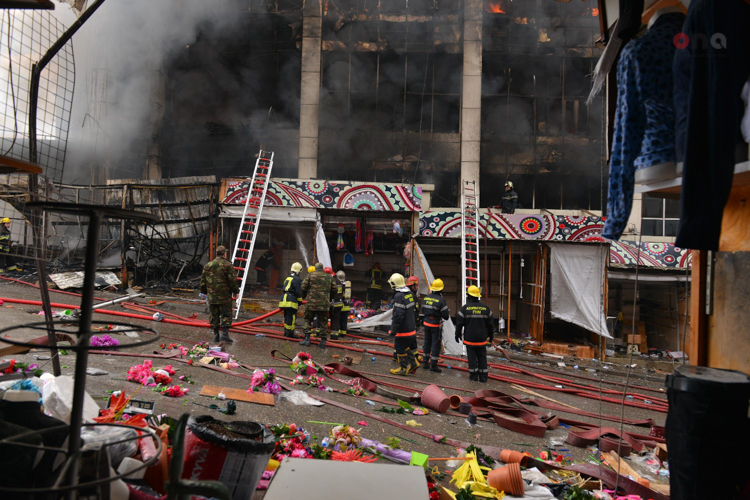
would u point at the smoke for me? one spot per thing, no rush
(166, 72)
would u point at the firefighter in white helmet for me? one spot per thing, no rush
(474, 325)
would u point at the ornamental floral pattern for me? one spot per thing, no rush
(325, 194)
(553, 228)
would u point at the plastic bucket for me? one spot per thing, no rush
(434, 398)
(234, 453)
(707, 419)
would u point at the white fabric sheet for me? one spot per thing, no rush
(577, 285)
(321, 247)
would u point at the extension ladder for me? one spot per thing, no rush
(256, 195)
(469, 236)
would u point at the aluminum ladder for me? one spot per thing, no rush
(243, 247)
(469, 236)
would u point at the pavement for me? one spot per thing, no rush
(255, 351)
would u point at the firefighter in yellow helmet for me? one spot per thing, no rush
(310, 269)
(433, 312)
(291, 299)
(474, 325)
(6, 261)
(403, 326)
(340, 306)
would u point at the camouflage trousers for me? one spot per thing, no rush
(322, 324)
(220, 315)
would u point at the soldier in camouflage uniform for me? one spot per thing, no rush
(219, 281)
(318, 288)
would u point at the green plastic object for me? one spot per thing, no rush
(419, 459)
(184, 489)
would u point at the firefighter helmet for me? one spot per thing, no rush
(396, 281)
(437, 285)
(509, 184)
(341, 276)
(474, 291)
(413, 280)
(296, 267)
(311, 269)
(328, 270)
(5, 220)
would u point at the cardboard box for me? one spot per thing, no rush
(634, 339)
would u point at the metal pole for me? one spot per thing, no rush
(84, 332)
(116, 301)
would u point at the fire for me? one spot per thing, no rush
(495, 7)
(595, 12)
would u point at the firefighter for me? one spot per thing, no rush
(346, 308)
(509, 202)
(6, 261)
(340, 306)
(291, 300)
(262, 264)
(403, 326)
(476, 319)
(219, 283)
(434, 311)
(413, 284)
(317, 288)
(374, 286)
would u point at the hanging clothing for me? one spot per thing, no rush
(644, 121)
(719, 67)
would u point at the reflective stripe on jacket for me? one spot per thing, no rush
(292, 292)
(403, 313)
(475, 321)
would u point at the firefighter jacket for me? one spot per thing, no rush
(338, 297)
(376, 278)
(403, 323)
(265, 260)
(434, 309)
(292, 297)
(347, 293)
(4, 239)
(474, 320)
(510, 202)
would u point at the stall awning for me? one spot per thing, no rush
(272, 214)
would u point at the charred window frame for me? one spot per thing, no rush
(536, 128)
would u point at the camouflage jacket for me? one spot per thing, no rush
(219, 281)
(317, 289)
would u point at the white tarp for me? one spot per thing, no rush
(322, 253)
(577, 285)
(382, 319)
(422, 270)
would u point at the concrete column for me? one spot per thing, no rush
(310, 90)
(471, 92)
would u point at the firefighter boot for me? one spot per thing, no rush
(307, 339)
(434, 366)
(322, 344)
(225, 335)
(412, 360)
(403, 366)
(216, 334)
(425, 361)
(334, 336)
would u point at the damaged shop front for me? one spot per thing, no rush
(154, 255)
(347, 226)
(546, 277)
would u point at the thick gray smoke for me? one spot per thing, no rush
(124, 56)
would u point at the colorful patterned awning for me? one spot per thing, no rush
(555, 228)
(329, 194)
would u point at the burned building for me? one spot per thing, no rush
(390, 91)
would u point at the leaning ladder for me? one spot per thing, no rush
(469, 236)
(243, 247)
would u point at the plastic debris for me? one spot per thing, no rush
(413, 423)
(369, 402)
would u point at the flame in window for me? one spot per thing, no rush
(495, 7)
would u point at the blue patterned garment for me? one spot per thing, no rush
(644, 121)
